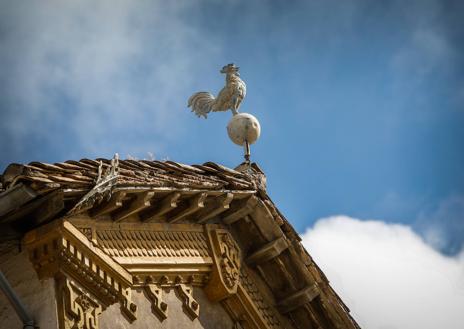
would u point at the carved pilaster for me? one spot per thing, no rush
(227, 261)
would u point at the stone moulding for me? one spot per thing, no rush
(97, 264)
(60, 250)
(154, 252)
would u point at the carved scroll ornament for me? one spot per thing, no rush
(229, 261)
(226, 271)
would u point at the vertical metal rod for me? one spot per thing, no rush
(247, 151)
(14, 300)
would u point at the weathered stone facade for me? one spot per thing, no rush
(144, 244)
(38, 295)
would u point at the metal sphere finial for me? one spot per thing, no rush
(243, 129)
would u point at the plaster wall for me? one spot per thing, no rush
(38, 296)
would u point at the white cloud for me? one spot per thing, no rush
(98, 69)
(387, 275)
(442, 226)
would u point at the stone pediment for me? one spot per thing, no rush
(105, 229)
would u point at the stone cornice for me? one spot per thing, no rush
(82, 258)
(60, 250)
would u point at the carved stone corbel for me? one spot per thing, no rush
(189, 304)
(227, 262)
(155, 294)
(128, 308)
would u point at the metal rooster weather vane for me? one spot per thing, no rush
(243, 129)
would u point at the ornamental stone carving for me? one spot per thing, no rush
(189, 304)
(227, 262)
(155, 294)
(76, 308)
(97, 264)
(60, 250)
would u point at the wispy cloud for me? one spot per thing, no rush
(443, 226)
(426, 52)
(430, 53)
(107, 72)
(388, 276)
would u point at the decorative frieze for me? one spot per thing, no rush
(101, 262)
(155, 252)
(152, 243)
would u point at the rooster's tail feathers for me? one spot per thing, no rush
(201, 103)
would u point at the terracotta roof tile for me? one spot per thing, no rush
(84, 173)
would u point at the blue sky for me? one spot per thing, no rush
(361, 103)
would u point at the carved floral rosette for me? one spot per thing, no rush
(227, 262)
